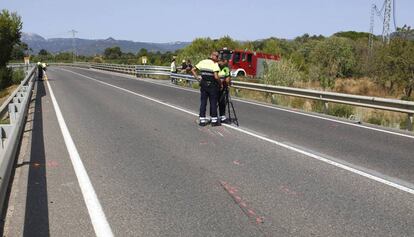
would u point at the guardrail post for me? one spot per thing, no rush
(25, 89)
(237, 92)
(5, 130)
(325, 107)
(12, 113)
(410, 122)
(3, 136)
(273, 99)
(17, 100)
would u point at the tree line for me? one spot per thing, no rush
(10, 33)
(325, 59)
(307, 58)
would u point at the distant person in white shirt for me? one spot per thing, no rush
(173, 69)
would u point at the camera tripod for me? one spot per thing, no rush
(232, 117)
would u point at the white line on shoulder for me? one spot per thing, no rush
(98, 218)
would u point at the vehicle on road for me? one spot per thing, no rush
(247, 63)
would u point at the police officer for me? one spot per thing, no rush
(209, 87)
(225, 78)
(39, 71)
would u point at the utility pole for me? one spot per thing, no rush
(387, 21)
(73, 45)
(371, 28)
(386, 12)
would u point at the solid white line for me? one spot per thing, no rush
(276, 108)
(328, 119)
(314, 156)
(99, 221)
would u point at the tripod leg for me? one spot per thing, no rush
(228, 106)
(236, 121)
(231, 109)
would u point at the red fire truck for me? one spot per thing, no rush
(247, 63)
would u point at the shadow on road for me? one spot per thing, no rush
(36, 222)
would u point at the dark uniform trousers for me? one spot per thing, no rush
(209, 92)
(222, 101)
(40, 72)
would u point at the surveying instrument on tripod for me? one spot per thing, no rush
(225, 103)
(232, 116)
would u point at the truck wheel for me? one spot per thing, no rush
(240, 74)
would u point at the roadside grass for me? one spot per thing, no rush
(357, 114)
(5, 93)
(362, 86)
(17, 77)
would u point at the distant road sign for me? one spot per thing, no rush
(144, 60)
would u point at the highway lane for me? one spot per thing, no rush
(388, 155)
(156, 173)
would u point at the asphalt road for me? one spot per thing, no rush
(156, 173)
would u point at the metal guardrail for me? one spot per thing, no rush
(81, 65)
(393, 105)
(17, 106)
(152, 70)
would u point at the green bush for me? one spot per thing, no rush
(404, 123)
(298, 103)
(5, 77)
(407, 98)
(375, 120)
(17, 76)
(338, 110)
(282, 73)
(318, 106)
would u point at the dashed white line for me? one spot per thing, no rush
(314, 156)
(98, 218)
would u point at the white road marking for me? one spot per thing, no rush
(99, 221)
(303, 152)
(328, 119)
(276, 108)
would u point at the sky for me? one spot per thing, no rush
(184, 20)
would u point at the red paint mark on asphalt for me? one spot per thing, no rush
(225, 130)
(259, 220)
(248, 211)
(251, 212)
(52, 164)
(222, 131)
(211, 133)
(288, 191)
(208, 133)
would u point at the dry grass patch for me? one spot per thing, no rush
(4, 94)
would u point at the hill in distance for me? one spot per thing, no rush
(89, 47)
